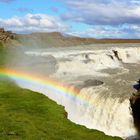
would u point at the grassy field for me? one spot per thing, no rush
(27, 115)
(2, 54)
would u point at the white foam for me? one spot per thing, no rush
(105, 113)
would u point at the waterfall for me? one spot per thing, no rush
(107, 106)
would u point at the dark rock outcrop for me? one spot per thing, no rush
(90, 83)
(135, 107)
(116, 55)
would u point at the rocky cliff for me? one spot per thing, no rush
(135, 106)
(6, 35)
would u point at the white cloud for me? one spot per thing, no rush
(103, 12)
(34, 23)
(126, 31)
(104, 19)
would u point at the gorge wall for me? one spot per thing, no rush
(135, 105)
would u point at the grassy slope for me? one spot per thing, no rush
(32, 116)
(2, 54)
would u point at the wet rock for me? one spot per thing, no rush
(86, 56)
(132, 138)
(116, 55)
(135, 107)
(90, 83)
(111, 57)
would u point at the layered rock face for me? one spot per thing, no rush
(6, 35)
(135, 106)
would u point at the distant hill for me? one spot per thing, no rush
(56, 39)
(53, 39)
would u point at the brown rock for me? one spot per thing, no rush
(6, 35)
(135, 107)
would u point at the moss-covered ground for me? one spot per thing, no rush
(27, 115)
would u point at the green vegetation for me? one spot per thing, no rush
(2, 54)
(27, 115)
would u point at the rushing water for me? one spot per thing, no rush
(104, 77)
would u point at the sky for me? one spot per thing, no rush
(84, 18)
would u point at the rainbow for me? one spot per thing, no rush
(48, 83)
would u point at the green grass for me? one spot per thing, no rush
(27, 115)
(2, 54)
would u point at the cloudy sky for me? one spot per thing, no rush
(85, 18)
